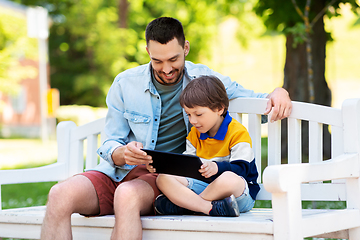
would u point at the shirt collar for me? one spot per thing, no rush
(221, 133)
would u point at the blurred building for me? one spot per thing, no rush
(23, 114)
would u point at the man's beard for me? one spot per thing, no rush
(172, 83)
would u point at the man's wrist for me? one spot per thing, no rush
(117, 155)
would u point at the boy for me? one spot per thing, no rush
(224, 146)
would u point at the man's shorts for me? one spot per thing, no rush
(105, 187)
(245, 201)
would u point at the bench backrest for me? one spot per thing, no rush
(316, 116)
(79, 143)
(247, 111)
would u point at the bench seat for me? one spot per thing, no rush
(256, 224)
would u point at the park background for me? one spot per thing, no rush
(86, 53)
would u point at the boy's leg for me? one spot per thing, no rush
(245, 201)
(187, 197)
(228, 183)
(176, 190)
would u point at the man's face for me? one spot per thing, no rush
(168, 60)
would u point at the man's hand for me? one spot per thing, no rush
(131, 154)
(279, 104)
(208, 169)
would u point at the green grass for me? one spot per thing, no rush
(25, 195)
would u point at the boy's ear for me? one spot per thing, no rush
(221, 111)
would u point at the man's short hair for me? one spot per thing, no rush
(165, 29)
(205, 91)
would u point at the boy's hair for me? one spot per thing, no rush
(205, 91)
(165, 29)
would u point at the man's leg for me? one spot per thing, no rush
(132, 199)
(76, 194)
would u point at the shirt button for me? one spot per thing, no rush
(152, 141)
(158, 98)
(155, 119)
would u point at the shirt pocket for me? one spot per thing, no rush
(136, 118)
(139, 126)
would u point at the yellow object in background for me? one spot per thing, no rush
(53, 102)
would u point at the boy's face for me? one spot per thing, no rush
(204, 119)
(168, 60)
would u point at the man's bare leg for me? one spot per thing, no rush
(76, 194)
(132, 199)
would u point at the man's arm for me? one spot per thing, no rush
(279, 104)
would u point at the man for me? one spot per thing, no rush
(143, 111)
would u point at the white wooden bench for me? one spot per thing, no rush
(286, 185)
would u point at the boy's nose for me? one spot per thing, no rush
(192, 120)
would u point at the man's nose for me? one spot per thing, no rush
(167, 68)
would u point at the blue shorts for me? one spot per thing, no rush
(245, 201)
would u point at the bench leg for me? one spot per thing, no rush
(287, 215)
(353, 187)
(354, 233)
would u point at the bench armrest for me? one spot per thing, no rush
(52, 172)
(281, 178)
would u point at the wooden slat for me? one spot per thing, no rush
(82, 132)
(337, 141)
(315, 142)
(274, 143)
(76, 164)
(48, 173)
(314, 192)
(91, 155)
(255, 135)
(317, 113)
(335, 220)
(294, 140)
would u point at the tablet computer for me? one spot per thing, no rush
(176, 164)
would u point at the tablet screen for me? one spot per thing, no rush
(176, 164)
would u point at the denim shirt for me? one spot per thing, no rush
(134, 109)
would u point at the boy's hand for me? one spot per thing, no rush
(150, 168)
(208, 169)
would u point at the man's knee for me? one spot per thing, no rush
(130, 190)
(56, 193)
(76, 194)
(134, 194)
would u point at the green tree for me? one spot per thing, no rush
(303, 25)
(14, 47)
(92, 41)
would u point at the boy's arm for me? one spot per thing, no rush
(241, 156)
(240, 167)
